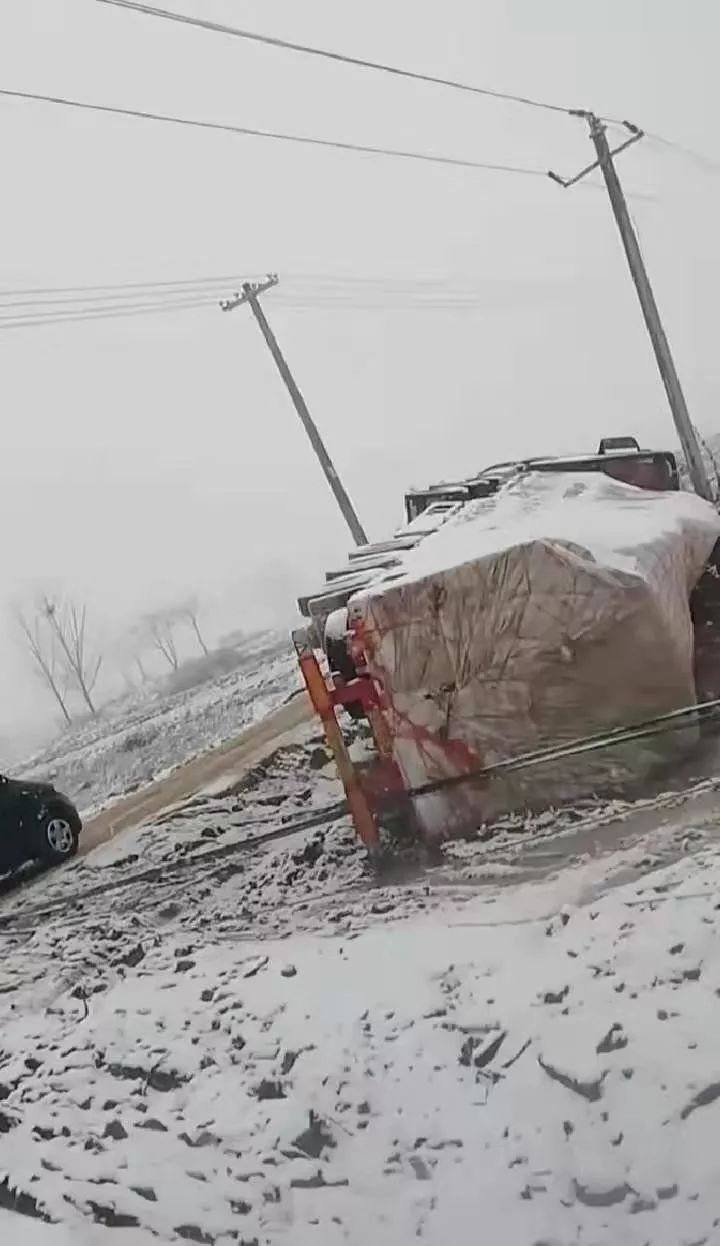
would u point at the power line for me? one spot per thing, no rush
(62, 317)
(323, 280)
(709, 163)
(27, 313)
(8, 312)
(339, 57)
(50, 302)
(321, 291)
(222, 281)
(330, 285)
(131, 289)
(247, 131)
(299, 282)
(706, 162)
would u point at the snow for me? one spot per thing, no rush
(18, 1230)
(618, 523)
(275, 1045)
(145, 735)
(22, 1231)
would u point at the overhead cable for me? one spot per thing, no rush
(29, 313)
(62, 315)
(297, 282)
(339, 57)
(301, 293)
(130, 286)
(59, 316)
(250, 132)
(58, 301)
(288, 45)
(706, 162)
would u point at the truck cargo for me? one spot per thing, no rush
(538, 603)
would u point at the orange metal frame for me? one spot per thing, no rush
(324, 699)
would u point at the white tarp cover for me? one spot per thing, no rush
(555, 609)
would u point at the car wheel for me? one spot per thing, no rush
(58, 837)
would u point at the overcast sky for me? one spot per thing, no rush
(146, 456)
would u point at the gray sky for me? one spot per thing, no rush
(142, 457)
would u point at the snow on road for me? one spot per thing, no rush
(271, 1045)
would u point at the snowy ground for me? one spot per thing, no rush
(142, 736)
(209, 1043)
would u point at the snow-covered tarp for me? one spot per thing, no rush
(557, 608)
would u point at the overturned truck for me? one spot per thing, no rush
(517, 618)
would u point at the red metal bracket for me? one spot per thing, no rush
(323, 700)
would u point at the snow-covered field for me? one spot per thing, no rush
(144, 735)
(221, 1044)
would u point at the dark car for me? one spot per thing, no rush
(36, 823)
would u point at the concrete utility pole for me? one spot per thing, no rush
(661, 346)
(250, 295)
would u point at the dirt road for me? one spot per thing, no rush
(229, 761)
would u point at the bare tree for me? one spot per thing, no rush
(160, 630)
(131, 668)
(68, 624)
(129, 653)
(43, 650)
(189, 611)
(160, 627)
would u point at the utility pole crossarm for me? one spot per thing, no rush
(251, 289)
(566, 183)
(641, 281)
(250, 295)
